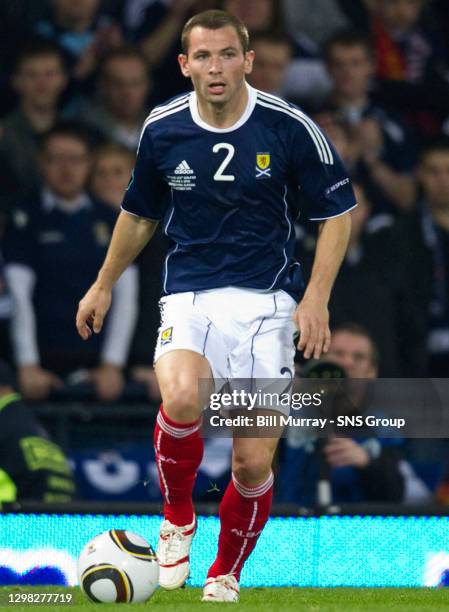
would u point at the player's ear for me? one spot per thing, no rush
(183, 63)
(249, 59)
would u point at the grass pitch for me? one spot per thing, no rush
(255, 600)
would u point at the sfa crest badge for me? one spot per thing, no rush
(263, 161)
(166, 336)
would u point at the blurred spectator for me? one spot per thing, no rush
(273, 54)
(354, 350)
(111, 170)
(404, 50)
(156, 25)
(39, 80)
(120, 108)
(53, 250)
(366, 469)
(425, 246)
(257, 15)
(410, 61)
(32, 467)
(112, 165)
(311, 22)
(384, 151)
(82, 32)
(372, 290)
(150, 263)
(15, 21)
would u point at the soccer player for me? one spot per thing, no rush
(223, 167)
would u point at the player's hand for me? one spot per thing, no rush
(109, 382)
(36, 383)
(311, 318)
(341, 452)
(92, 310)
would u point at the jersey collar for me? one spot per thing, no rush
(193, 102)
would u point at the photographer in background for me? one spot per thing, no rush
(363, 470)
(31, 466)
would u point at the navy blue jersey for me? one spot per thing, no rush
(229, 197)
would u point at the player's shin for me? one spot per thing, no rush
(244, 511)
(179, 451)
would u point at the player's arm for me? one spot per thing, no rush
(324, 181)
(131, 234)
(312, 314)
(143, 206)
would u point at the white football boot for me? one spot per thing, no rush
(173, 554)
(222, 588)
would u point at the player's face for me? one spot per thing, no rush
(110, 177)
(350, 69)
(216, 64)
(40, 80)
(433, 175)
(65, 166)
(353, 353)
(125, 86)
(270, 63)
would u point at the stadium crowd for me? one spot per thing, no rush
(78, 80)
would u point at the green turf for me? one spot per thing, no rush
(254, 600)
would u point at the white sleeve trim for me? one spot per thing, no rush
(332, 216)
(139, 216)
(21, 280)
(122, 318)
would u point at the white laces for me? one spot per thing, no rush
(170, 544)
(227, 581)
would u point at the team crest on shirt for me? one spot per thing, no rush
(263, 169)
(166, 336)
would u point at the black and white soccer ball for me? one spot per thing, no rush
(118, 566)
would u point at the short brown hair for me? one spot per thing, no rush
(215, 20)
(359, 330)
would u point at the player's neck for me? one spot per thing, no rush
(227, 114)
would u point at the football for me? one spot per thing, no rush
(118, 566)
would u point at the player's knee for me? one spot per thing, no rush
(251, 469)
(181, 404)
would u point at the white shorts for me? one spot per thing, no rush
(243, 333)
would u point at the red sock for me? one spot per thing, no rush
(179, 451)
(243, 513)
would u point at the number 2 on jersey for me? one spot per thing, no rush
(219, 176)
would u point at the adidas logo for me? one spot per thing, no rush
(183, 168)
